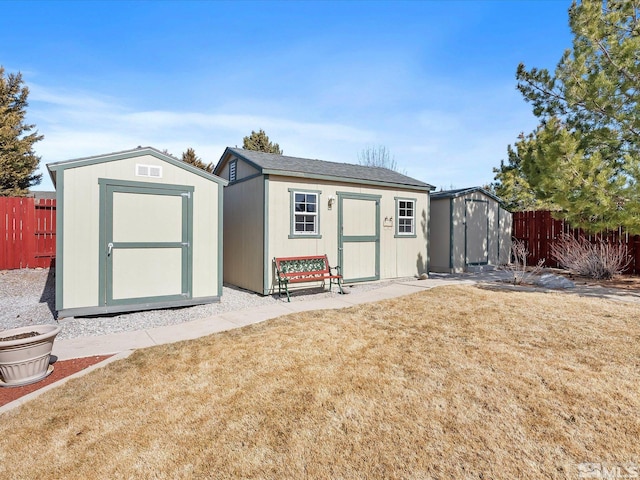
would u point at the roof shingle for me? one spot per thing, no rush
(272, 163)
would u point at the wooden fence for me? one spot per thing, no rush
(27, 232)
(539, 230)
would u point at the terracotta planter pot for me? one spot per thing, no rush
(26, 360)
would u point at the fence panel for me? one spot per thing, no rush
(44, 251)
(539, 231)
(27, 232)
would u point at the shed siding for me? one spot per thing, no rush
(506, 225)
(457, 237)
(81, 230)
(243, 170)
(399, 257)
(440, 241)
(495, 244)
(81, 226)
(243, 234)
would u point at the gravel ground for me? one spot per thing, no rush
(27, 297)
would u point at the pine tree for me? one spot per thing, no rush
(259, 141)
(190, 157)
(18, 161)
(584, 158)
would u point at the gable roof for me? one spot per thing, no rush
(269, 163)
(459, 192)
(136, 152)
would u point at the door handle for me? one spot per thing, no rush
(109, 248)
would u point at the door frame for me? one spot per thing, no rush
(105, 269)
(342, 239)
(466, 235)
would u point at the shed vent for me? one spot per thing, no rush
(233, 169)
(153, 171)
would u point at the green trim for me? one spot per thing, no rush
(428, 239)
(266, 260)
(129, 186)
(223, 160)
(146, 300)
(84, 311)
(357, 181)
(359, 196)
(342, 239)
(461, 193)
(187, 253)
(59, 243)
(244, 179)
(300, 237)
(499, 230)
(451, 231)
(220, 226)
(361, 238)
(397, 213)
(54, 168)
(134, 245)
(102, 243)
(105, 265)
(466, 257)
(292, 213)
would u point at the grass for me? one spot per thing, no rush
(455, 382)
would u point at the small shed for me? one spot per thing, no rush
(370, 221)
(136, 230)
(470, 229)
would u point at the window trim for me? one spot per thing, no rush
(398, 233)
(292, 213)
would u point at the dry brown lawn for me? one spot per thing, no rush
(452, 383)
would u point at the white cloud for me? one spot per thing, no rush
(81, 125)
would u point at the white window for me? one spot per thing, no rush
(406, 216)
(305, 213)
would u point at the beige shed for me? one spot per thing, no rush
(370, 221)
(469, 230)
(136, 230)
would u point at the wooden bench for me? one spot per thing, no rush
(312, 268)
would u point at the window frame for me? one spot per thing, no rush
(413, 233)
(292, 213)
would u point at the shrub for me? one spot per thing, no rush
(600, 260)
(518, 266)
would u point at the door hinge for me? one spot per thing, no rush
(185, 244)
(186, 194)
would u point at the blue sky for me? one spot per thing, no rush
(433, 81)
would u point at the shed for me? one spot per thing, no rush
(470, 229)
(370, 221)
(136, 230)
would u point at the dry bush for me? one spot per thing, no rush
(600, 260)
(519, 265)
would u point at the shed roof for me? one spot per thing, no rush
(268, 163)
(459, 192)
(136, 152)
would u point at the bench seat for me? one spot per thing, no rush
(313, 268)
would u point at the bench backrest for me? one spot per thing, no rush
(296, 266)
